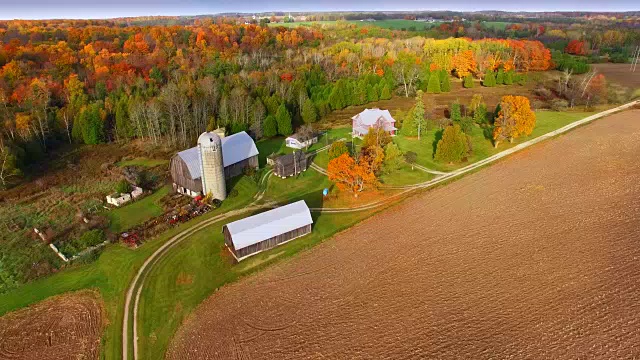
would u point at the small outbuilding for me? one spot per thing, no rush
(299, 141)
(254, 234)
(290, 164)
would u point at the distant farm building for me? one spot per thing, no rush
(290, 164)
(238, 153)
(299, 141)
(373, 118)
(249, 236)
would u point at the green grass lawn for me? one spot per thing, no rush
(546, 121)
(137, 212)
(307, 186)
(199, 266)
(144, 162)
(405, 176)
(111, 273)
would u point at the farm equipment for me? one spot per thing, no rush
(131, 239)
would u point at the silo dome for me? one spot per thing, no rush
(212, 165)
(209, 139)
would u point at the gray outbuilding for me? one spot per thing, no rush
(254, 234)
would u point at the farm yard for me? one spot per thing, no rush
(64, 327)
(570, 265)
(99, 110)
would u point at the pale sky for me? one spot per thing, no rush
(85, 9)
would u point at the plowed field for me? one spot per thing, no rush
(64, 327)
(537, 256)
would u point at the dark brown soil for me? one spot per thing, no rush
(620, 74)
(64, 327)
(537, 256)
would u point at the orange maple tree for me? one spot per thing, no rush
(464, 63)
(349, 174)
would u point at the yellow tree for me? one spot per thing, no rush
(515, 118)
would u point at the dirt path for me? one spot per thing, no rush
(536, 256)
(68, 326)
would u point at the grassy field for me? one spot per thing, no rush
(137, 212)
(144, 162)
(546, 121)
(307, 186)
(496, 25)
(110, 274)
(405, 176)
(393, 24)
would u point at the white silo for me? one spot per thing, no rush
(211, 165)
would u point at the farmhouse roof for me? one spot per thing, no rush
(301, 137)
(235, 148)
(370, 116)
(257, 228)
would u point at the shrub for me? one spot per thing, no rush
(123, 187)
(522, 79)
(468, 82)
(466, 124)
(455, 113)
(559, 105)
(385, 93)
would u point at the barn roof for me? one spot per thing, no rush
(257, 228)
(235, 148)
(370, 116)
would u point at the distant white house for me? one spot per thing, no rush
(373, 118)
(297, 141)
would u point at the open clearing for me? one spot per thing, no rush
(536, 256)
(64, 327)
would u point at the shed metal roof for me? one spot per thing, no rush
(235, 148)
(257, 228)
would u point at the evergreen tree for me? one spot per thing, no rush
(480, 114)
(392, 158)
(283, 118)
(500, 77)
(434, 84)
(445, 82)
(468, 82)
(418, 113)
(93, 127)
(372, 95)
(123, 128)
(385, 93)
(455, 112)
(309, 113)
(508, 77)
(270, 127)
(489, 79)
(453, 145)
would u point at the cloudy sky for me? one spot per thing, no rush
(47, 9)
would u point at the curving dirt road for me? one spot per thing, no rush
(537, 256)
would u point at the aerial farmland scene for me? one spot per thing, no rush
(319, 180)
